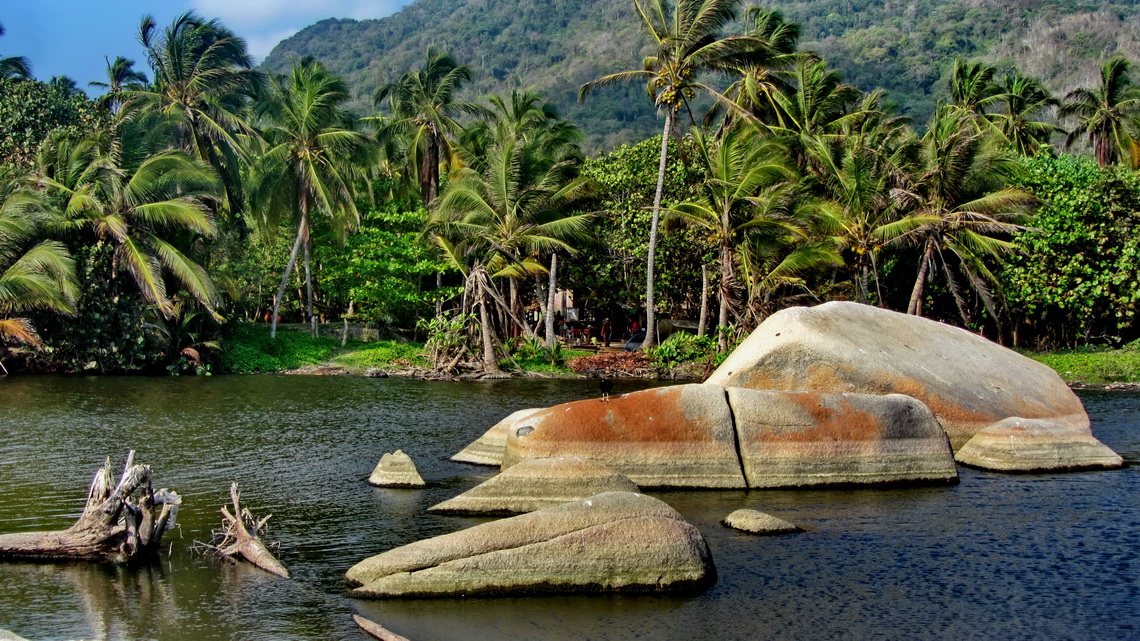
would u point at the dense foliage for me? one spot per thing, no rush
(31, 110)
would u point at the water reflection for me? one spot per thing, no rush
(998, 556)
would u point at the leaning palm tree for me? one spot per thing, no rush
(33, 275)
(310, 163)
(962, 205)
(686, 40)
(1104, 114)
(422, 110)
(121, 76)
(140, 212)
(1024, 99)
(203, 79)
(747, 175)
(14, 66)
(495, 222)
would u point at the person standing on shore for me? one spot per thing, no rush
(607, 332)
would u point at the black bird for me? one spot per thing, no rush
(607, 386)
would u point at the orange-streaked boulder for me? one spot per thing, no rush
(679, 436)
(796, 439)
(615, 541)
(538, 483)
(1028, 445)
(488, 448)
(968, 382)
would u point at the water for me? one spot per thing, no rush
(998, 556)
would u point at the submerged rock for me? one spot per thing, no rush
(10, 636)
(968, 382)
(1032, 445)
(396, 470)
(679, 436)
(536, 484)
(616, 541)
(790, 439)
(755, 522)
(488, 448)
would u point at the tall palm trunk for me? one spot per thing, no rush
(285, 279)
(915, 305)
(550, 292)
(650, 316)
(703, 324)
(490, 365)
(309, 289)
(429, 170)
(727, 276)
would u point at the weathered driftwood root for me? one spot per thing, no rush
(121, 521)
(376, 630)
(240, 537)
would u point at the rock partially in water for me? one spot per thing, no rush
(488, 448)
(396, 470)
(679, 436)
(10, 636)
(1032, 445)
(536, 484)
(968, 382)
(756, 522)
(617, 541)
(793, 439)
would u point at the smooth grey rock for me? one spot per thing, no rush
(755, 522)
(488, 448)
(1030, 445)
(396, 470)
(799, 439)
(616, 541)
(535, 484)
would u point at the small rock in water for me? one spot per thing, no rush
(9, 636)
(375, 372)
(755, 522)
(396, 470)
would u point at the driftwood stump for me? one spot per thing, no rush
(376, 630)
(121, 521)
(240, 537)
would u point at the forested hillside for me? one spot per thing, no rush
(553, 46)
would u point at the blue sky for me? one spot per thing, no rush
(71, 37)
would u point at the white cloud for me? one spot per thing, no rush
(264, 23)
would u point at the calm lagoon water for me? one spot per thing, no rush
(995, 557)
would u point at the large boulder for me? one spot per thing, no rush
(617, 541)
(1032, 445)
(968, 382)
(488, 448)
(536, 484)
(679, 436)
(790, 439)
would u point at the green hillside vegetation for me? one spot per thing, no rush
(553, 46)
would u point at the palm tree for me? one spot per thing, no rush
(423, 108)
(310, 164)
(962, 203)
(1104, 114)
(686, 41)
(121, 76)
(494, 222)
(14, 66)
(973, 89)
(203, 79)
(761, 79)
(33, 276)
(746, 176)
(815, 105)
(137, 211)
(1024, 98)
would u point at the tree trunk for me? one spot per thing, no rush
(240, 537)
(915, 305)
(727, 275)
(650, 316)
(703, 323)
(309, 290)
(113, 526)
(550, 337)
(429, 170)
(490, 365)
(285, 281)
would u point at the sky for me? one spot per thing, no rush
(75, 38)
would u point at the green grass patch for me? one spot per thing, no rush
(248, 349)
(1093, 365)
(543, 365)
(381, 354)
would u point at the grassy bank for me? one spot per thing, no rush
(1093, 365)
(248, 349)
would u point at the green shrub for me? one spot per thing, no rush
(683, 347)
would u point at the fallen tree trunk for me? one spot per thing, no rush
(115, 524)
(376, 630)
(240, 537)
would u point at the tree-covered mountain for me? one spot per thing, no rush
(553, 46)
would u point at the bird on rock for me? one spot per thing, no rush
(606, 386)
